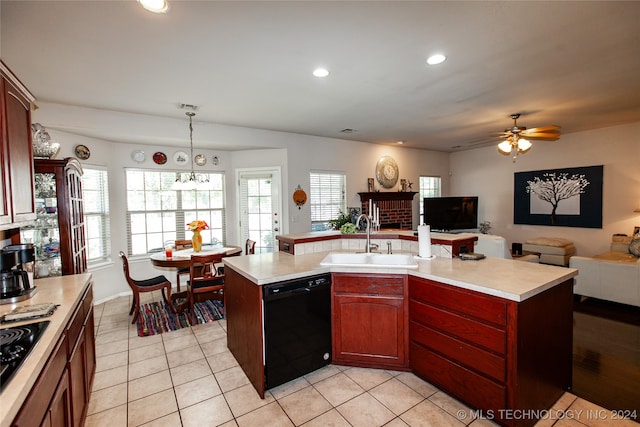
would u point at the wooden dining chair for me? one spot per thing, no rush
(180, 245)
(249, 247)
(146, 285)
(204, 276)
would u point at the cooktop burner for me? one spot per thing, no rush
(15, 344)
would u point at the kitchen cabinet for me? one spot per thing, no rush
(493, 354)
(17, 204)
(60, 396)
(370, 326)
(81, 365)
(49, 402)
(58, 232)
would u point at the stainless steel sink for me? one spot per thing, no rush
(349, 259)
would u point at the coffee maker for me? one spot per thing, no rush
(15, 282)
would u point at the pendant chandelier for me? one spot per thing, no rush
(192, 180)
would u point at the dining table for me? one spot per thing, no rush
(182, 258)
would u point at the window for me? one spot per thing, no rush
(95, 192)
(327, 197)
(429, 187)
(156, 212)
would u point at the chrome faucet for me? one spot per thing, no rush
(369, 246)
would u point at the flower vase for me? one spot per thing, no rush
(196, 240)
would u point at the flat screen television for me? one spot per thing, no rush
(451, 213)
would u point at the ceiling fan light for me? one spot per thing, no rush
(155, 6)
(524, 145)
(505, 147)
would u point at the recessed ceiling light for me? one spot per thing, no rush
(436, 59)
(321, 72)
(399, 142)
(155, 6)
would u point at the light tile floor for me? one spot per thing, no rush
(189, 378)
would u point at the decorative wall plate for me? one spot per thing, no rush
(181, 158)
(200, 159)
(82, 152)
(387, 172)
(138, 156)
(299, 197)
(160, 158)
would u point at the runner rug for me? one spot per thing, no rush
(157, 317)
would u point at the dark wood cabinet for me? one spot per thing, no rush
(58, 233)
(17, 204)
(50, 394)
(60, 396)
(369, 320)
(58, 414)
(493, 354)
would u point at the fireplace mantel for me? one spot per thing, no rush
(387, 195)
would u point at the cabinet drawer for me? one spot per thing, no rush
(466, 385)
(486, 336)
(463, 301)
(379, 284)
(470, 356)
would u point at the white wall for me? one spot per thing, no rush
(296, 155)
(486, 173)
(481, 172)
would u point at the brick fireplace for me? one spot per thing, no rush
(396, 208)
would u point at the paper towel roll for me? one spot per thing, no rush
(424, 241)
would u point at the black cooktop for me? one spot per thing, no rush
(15, 345)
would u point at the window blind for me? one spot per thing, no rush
(327, 197)
(95, 193)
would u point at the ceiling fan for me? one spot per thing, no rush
(516, 138)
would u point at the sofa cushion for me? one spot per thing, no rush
(549, 241)
(551, 250)
(615, 256)
(634, 246)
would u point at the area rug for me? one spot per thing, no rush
(157, 317)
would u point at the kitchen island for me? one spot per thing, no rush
(494, 333)
(53, 384)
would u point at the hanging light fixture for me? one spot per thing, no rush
(515, 145)
(192, 180)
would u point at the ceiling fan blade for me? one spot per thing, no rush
(546, 137)
(540, 134)
(550, 128)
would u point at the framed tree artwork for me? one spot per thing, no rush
(570, 197)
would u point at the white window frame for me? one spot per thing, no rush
(327, 197)
(429, 186)
(164, 211)
(97, 223)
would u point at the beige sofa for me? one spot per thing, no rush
(612, 276)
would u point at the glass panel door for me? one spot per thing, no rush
(260, 208)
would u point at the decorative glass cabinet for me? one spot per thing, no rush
(58, 233)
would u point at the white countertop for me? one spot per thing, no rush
(63, 290)
(505, 278)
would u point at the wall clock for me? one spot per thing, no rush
(387, 172)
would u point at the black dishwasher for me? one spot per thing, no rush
(297, 328)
